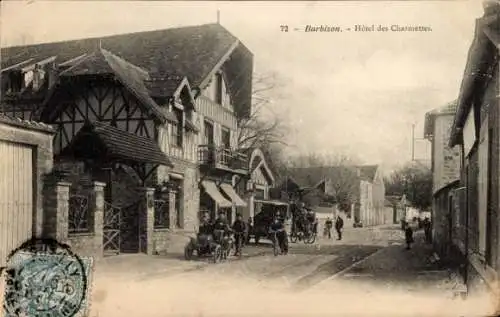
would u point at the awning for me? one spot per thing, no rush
(213, 192)
(272, 202)
(229, 190)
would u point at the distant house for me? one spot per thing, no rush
(357, 190)
(398, 206)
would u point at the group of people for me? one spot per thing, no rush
(208, 229)
(339, 225)
(305, 220)
(239, 229)
(408, 229)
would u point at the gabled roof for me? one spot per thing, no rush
(194, 52)
(101, 141)
(483, 53)
(103, 62)
(315, 176)
(448, 109)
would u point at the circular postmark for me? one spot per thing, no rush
(44, 278)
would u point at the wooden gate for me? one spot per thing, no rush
(111, 229)
(16, 196)
(130, 229)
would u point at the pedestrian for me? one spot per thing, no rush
(427, 230)
(328, 227)
(339, 224)
(279, 228)
(408, 235)
(239, 228)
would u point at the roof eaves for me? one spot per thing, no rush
(204, 83)
(26, 124)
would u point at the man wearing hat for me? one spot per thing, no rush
(239, 228)
(221, 224)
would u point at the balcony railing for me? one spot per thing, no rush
(220, 157)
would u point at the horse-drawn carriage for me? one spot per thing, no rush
(218, 246)
(304, 226)
(263, 220)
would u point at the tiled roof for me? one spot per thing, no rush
(192, 52)
(313, 176)
(163, 86)
(32, 125)
(103, 62)
(114, 144)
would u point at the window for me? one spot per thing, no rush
(218, 88)
(162, 213)
(177, 187)
(209, 133)
(177, 128)
(226, 138)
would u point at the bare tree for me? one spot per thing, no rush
(415, 181)
(264, 126)
(339, 171)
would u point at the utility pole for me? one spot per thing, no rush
(413, 142)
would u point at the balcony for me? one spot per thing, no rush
(222, 158)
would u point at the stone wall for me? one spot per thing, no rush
(190, 200)
(56, 224)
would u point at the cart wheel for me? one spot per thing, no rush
(188, 252)
(293, 238)
(217, 254)
(312, 238)
(276, 247)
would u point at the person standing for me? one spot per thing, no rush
(408, 235)
(427, 230)
(328, 227)
(239, 228)
(339, 224)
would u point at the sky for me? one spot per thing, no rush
(355, 93)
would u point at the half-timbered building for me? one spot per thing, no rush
(128, 110)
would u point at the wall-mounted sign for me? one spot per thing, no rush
(469, 132)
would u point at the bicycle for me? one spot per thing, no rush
(239, 245)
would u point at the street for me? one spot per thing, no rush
(258, 282)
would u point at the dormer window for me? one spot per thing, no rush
(15, 82)
(219, 83)
(226, 138)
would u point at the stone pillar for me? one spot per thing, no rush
(251, 205)
(56, 205)
(172, 196)
(96, 206)
(146, 220)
